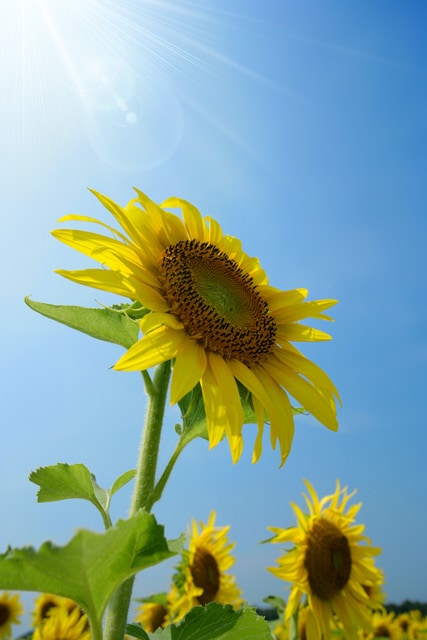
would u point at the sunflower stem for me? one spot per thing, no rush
(116, 620)
(156, 494)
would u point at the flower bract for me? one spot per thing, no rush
(330, 565)
(210, 310)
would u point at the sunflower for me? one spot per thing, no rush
(331, 563)
(152, 615)
(46, 602)
(202, 576)
(10, 610)
(384, 625)
(212, 312)
(64, 622)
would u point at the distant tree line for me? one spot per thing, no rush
(407, 605)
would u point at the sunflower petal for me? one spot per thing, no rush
(157, 346)
(189, 367)
(196, 226)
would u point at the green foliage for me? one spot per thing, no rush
(63, 481)
(212, 622)
(115, 324)
(275, 602)
(90, 567)
(136, 631)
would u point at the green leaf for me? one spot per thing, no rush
(111, 325)
(90, 567)
(137, 631)
(122, 480)
(63, 482)
(276, 602)
(193, 416)
(220, 622)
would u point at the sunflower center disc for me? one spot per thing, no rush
(4, 613)
(158, 616)
(382, 631)
(327, 560)
(205, 572)
(217, 302)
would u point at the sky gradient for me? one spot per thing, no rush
(301, 127)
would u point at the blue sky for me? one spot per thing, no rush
(301, 127)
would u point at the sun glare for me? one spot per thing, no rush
(108, 71)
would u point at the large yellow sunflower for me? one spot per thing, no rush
(10, 610)
(213, 313)
(204, 570)
(331, 563)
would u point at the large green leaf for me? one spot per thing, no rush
(109, 324)
(213, 622)
(221, 622)
(90, 567)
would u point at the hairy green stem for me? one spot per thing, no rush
(156, 494)
(116, 620)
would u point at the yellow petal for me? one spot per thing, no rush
(279, 412)
(122, 217)
(299, 333)
(260, 416)
(309, 397)
(272, 398)
(278, 299)
(313, 309)
(196, 226)
(106, 250)
(99, 279)
(230, 403)
(189, 367)
(215, 415)
(290, 356)
(214, 232)
(79, 218)
(153, 320)
(157, 346)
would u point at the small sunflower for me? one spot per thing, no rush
(46, 602)
(418, 626)
(331, 563)
(384, 625)
(202, 576)
(10, 610)
(153, 613)
(211, 311)
(56, 617)
(152, 616)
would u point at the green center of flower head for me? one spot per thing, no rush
(327, 559)
(217, 302)
(205, 572)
